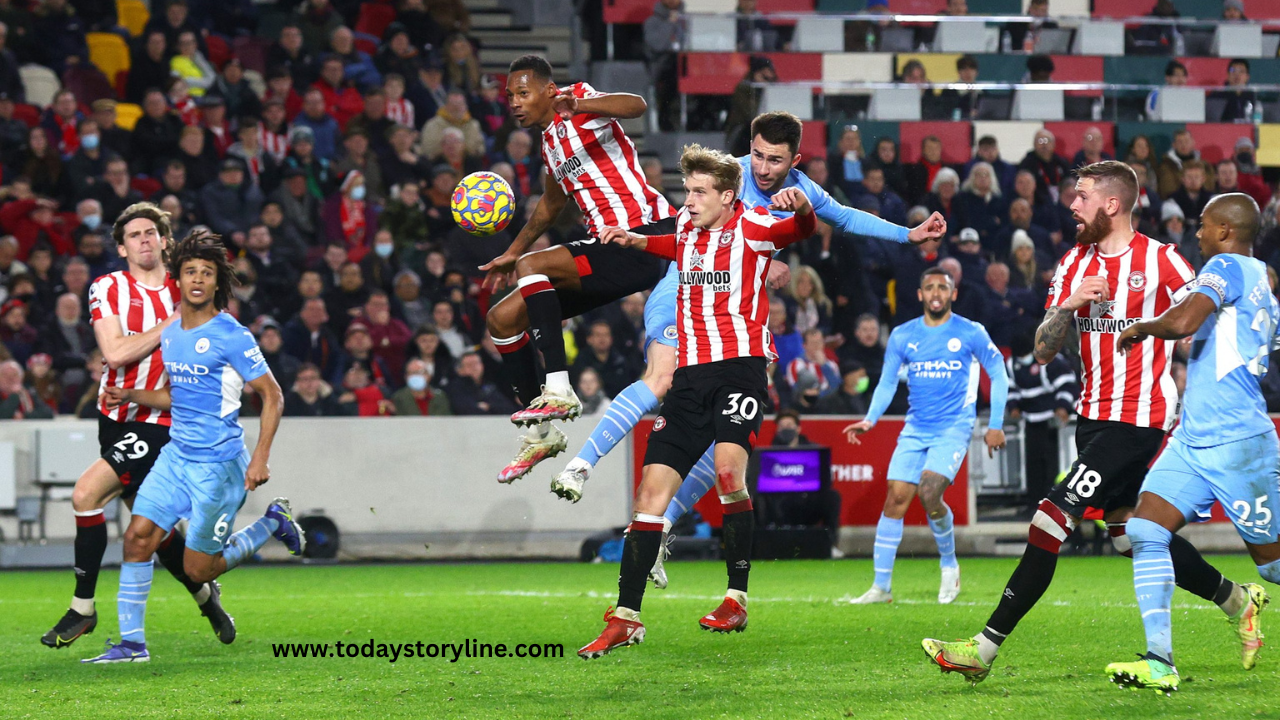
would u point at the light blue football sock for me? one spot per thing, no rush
(248, 541)
(944, 533)
(131, 603)
(701, 478)
(624, 412)
(888, 537)
(1153, 583)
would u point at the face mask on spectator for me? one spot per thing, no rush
(89, 142)
(784, 436)
(862, 385)
(416, 383)
(384, 249)
(357, 192)
(92, 221)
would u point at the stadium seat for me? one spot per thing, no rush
(627, 12)
(40, 83)
(1183, 104)
(1218, 140)
(1064, 8)
(956, 137)
(719, 73)
(962, 37)
(1160, 135)
(1038, 104)
(374, 18)
(1099, 37)
(857, 67)
(109, 52)
(88, 83)
(712, 33)
(1269, 145)
(710, 7)
(1070, 136)
(133, 15)
(818, 34)
(813, 143)
(938, 67)
(27, 113)
(1015, 139)
(1237, 40)
(1075, 68)
(219, 50)
(252, 52)
(895, 104)
(127, 115)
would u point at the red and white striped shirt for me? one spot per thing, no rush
(275, 144)
(1143, 279)
(400, 112)
(597, 165)
(722, 310)
(139, 309)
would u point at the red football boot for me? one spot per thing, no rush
(729, 617)
(617, 633)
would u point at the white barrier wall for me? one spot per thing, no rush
(406, 476)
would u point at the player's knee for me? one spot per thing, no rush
(897, 501)
(529, 265)
(932, 487)
(1145, 533)
(658, 383)
(138, 546)
(85, 497)
(727, 480)
(197, 569)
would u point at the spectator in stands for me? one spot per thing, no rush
(600, 355)
(807, 301)
(1192, 197)
(419, 396)
(961, 104)
(1020, 218)
(907, 263)
(470, 393)
(40, 267)
(861, 35)
(454, 114)
(13, 132)
(300, 207)
(358, 347)
(19, 401)
(10, 265)
(892, 207)
(345, 301)
(1175, 75)
(357, 65)
(403, 164)
(426, 345)
(342, 101)
(375, 121)
(429, 93)
(1062, 227)
(305, 156)
(322, 128)
(58, 36)
(1007, 310)
(60, 121)
(230, 204)
(462, 69)
(235, 90)
(32, 220)
(451, 15)
(18, 337)
(288, 54)
(380, 266)
(980, 204)
(356, 156)
(1024, 186)
(148, 66)
(424, 31)
(309, 339)
(847, 174)
(87, 163)
(1048, 168)
(921, 175)
(397, 54)
(1023, 36)
(1044, 396)
(914, 73)
(405, 217)
(664, 32)
(755, 33)
(1091, 148)
(1233, 11)
(745, 104)
(276, 278)
(409, 302)
(310, 395)
(439, 216)
(1230, 178)
(75, 280)
(197, 156)
(1039, 69)
(1173, 231)
(361, 395)
(886, 158)
(93, 248)
(68, 339)
(319, 20)
(850, 397)
(1169, 172)
(969, 254)
(1027, 267)
(942, 195)
(453, 153)
(10, 80)
(1148, 206)
(262, 168)
(490, 110)
(1140, 153)
(1240, 104)
(813, 374)
(349, 218)
(191, 65)
(115, 140)
(156, 134)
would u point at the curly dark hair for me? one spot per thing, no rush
(201, 244)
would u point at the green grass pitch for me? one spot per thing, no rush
(805, 655)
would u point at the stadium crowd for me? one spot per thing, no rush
(332, 184)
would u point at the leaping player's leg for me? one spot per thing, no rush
(738, 532)
(541, 275)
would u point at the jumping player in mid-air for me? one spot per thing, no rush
(941, 353)
(589, 157)
(129, 309)
(722, 251)
(770, 168)
(1225, 448)
(1112, 278)
(204, 473)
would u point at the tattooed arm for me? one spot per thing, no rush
(1052, 332)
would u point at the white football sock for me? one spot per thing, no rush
(737, 595)
(558, 383)
(84, 606)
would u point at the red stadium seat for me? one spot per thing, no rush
(29, 114)
(813, 143)
(1070, 136)
(956, 137)
(374, 18)
(1218, 140)
(1206, 71)
(219, 51)
(632, 12)
(917, 7)
(1079, 68)
(252, 52)
(88, 83)
(784, 6)
(720, 73)
(146, 186)
(1122, 8)
(365, 45)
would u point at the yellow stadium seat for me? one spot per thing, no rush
(109, 52)
(127, 115)
(133, 15)
(938, 67)
(1269, 144)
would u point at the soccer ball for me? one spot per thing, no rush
(483, 203)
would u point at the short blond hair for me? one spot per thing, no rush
(725, 172)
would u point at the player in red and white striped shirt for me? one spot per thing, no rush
(129, 309)
(587, 156)
(722, 251)
(1113, 278)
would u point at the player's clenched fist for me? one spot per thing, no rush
(257, 474)
(934, 228)
(791, 200)
(1092, 289)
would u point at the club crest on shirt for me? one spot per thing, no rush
(953, 344)
(202, 345)
(561, 131)
(1137, 280)
(670, 333)
(660, 423)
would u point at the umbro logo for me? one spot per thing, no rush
(742, 564)
(1008, 593)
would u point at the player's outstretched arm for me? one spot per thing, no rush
(1175, 323)
(272, 408)
(797, 227)
(158, 399)
(856, 222)
(549, 207)
(119, 349)
(614, 105)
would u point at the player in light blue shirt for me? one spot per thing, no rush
(205, 471)
(769, 169)
(939, 353)
(1224, 449)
